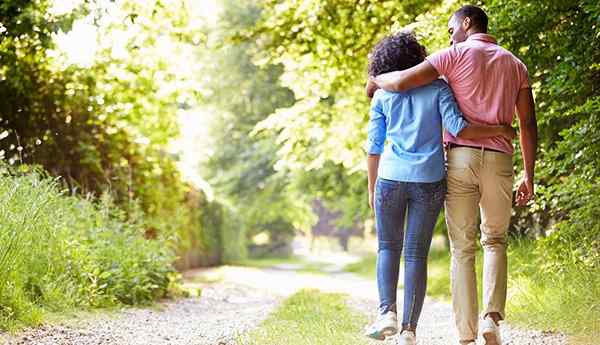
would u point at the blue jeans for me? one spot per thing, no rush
(416, 205)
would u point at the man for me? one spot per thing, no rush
(489, 83)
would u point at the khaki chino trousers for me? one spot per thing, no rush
(479, 182)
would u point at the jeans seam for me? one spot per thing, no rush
(412, 308)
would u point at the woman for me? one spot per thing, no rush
(407, 179)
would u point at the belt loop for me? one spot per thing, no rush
(482, 154)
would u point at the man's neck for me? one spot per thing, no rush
(472, 32)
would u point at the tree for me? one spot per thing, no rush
(107, 126)
(323, 46)
(243, 165)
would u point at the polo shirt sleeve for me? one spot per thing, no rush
(523, 75)
(444, 60)
(377, 126)
(452, 118)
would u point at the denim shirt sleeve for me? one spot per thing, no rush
(377, 126)
(452, 118)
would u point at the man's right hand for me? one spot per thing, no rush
(525, 192)
(371, 87)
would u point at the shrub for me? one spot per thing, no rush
(59, 251)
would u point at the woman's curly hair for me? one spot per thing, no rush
(395, 53)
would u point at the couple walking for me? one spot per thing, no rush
(409, 184)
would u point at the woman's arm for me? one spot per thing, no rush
(372, 166)
(454, 120)
(375, 142)
(473, 131)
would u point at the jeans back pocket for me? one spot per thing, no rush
(433, 192)
(384, 192)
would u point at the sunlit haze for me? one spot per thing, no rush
(81, 45)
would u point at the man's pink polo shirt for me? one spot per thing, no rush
(486, 80)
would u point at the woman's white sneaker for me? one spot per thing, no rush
(385, 326)
(407, 338)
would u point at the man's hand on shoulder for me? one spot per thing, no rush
(400, 81)
(371, 87)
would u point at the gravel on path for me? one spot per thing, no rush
(222, 313)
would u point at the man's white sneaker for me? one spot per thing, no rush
(385, 326)
(407, 338)
(490, 332)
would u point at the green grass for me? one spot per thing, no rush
(310, 317)
(438, 275)
(293, 263)
(61, 253)
(365, 267)
(569, 302)
(438, 281)
(205, 279)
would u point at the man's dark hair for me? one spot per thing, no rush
(478, 17)
(395, 53)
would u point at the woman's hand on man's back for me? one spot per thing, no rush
(508, 132)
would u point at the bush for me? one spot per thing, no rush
(59, 251)
(551, 293)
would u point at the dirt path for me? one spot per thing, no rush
(436, 326)
(240, 301)
(222, 312)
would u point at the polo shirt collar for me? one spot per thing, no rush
(483, 38)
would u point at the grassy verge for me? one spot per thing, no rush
(61, 252)
(297, 264)
(310, 317)
(438, 282)
(438, 275)
(569, 303)
(365, 267)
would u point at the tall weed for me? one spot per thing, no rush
(59, 251)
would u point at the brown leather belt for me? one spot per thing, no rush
(453, 145)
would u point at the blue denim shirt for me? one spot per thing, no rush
(411, 123)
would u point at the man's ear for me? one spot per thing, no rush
(466, 23)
